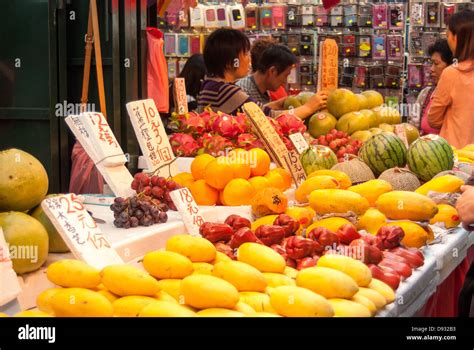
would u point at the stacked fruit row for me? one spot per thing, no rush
(190, 278)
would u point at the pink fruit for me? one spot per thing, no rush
(290, 124)
(189, 123)
(340, 134)
(183, 145)
(330, 137)
(333, 145)
(214, 145)
(249, 141)
(226, 126)
(243, 121)
(334, 132)
(208, 117)
(276, 126)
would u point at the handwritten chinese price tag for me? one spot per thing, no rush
(401, 133)
(180, 98)
(293, 160)
(80, 231)
(328, 68)
(299, 142)
(103, 139)
(152, 136)
(9, 286)
(189, 210)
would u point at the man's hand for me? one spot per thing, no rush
(318, 101)
(465, 206)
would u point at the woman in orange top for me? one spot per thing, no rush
(452, 108)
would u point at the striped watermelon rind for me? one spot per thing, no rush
(382, 152)
(429, 155)
(316, 158)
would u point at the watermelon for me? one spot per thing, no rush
(429, 155)
(383, 151)
(316, 158)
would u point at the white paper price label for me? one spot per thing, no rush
(79, 231)
(181, 99)
(188, 209)
(152, 136)
(299, 142)
(293, 160)
(9, 285)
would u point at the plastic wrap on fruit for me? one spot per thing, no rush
(270, 234)
(305, 263)
(288, 223)
(391, 236)
(215, 232)
(372, 240)
(363, 251)
(237, 222)
(225, 249)
(444, 198)
(298, 247)
(350, 215)
(243, 235)
(347, 233)
(390, 278)
(324, 238)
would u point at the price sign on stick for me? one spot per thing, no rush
(152, 137)
(180, 97)
(299, 142)
(189, 210)
(272, 141)
(9, 285)
(328, 65)
(79, 231)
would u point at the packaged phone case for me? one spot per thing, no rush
(306, 49)
(377, 82)
(337, 11)
(306, 68)
(395, 47)
(380, 16)
(265, 17)
(417, 14)
(170, 44)
(348, 46)
(195, 44)
(172, 67)
(376, 71)
(364, 21)
(292, 17)
(236, 16)
(350, 20)
(428, 79)
(364, 10)
(293, 39)
(172, 19)
(432, 14)
(360, 77)
(336, 20)
(448, 11)
(183, 45)
(364, 46)
(307, 79)
(161, 23)
(196, 16)
(392, 82)
(396, 16)
(307, 16)
(415, 76)
(279, 18)
(393, 70)
(183, 18)
(321, 20)
(210, 17)
(222, 18)
(416, 46)
(294, 48)
(251, 17)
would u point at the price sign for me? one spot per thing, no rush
(180, 98)
(79, 231)
(9, 285)
(152, 136)
(328, 67)
(189, 210)
(401, 133)
(103, 139)
(296, 167)
(299, 142)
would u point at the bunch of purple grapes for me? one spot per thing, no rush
(157, 187)
(138, 211)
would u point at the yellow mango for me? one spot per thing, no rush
(164, 296)
(242, 276)
(290, 272)
(166, 309)
(406, 205)
(73, 273)
(374, 296)
(291, 301)
(443, 184)
(415, 235)
(80, 302)
(110, 296)
(331, 224)
(43, 301)
(469, 148)
(329, 283)
(3, 315)
(203, 292)
(197, 249)
(263, 314)
(131, 306)
(219, 312)
(347, 308)
(465, 153)
(383, 289)
(278, 279)
(337, 201)
(126, 280)
(32, 313)
(359, 272)
(447, 215)
(171, 286)
(362, 300)
(371, 221)
(372, 190)
(244, 308)
(344, 180)
(164, 265)
(201, 268)
(314, 183)
(264, 220)
(260, 302)
(219, 258)
(264, 258)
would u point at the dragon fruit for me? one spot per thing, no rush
(276, 126)
(183, 145)
(289, 145)
(189, 123)
(214, 145)
(226, 125)
(244, 122)
(249, 141)
(290, 124)
(208, 117)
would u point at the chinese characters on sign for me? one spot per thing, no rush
(188, 209)
(181, 100)
(296, 167)
(299, 142)
(329, 65)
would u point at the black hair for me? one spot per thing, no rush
(222, 47)
(257, 49)
(278, 56)
(193, 73)
(441, 46)
(459, 19)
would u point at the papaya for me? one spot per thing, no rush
(314, 183)
(268, 201)
(447, 215)
(337, 201)
(405, 205)
(331, 224)
(344, 179)
(444, 184)
(371, 221)
(415, 235)
(372, 190)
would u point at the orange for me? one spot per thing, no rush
(199, 164)
(259, 182)
(285, 174)
(203, 193)
(183, 179)
(218, 173)
(276, 180)
(259, 161)
(220, 201)
(238, 192)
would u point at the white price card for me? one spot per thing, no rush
(79, 231)
(180, 97)
(296, 167)
(152, 137)
(9, 285)
(299, 142)
(188, 209)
